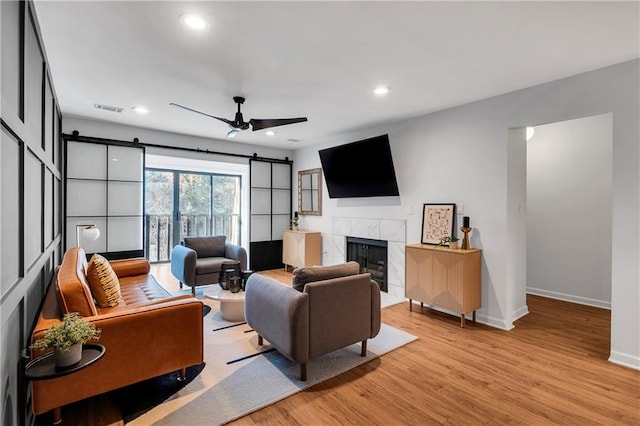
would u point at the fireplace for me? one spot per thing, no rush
(372, 257)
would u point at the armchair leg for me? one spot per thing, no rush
(260, 340)
(180, 284)
(363, 352)
(303, 372)
(193, 290)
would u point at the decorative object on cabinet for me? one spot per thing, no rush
(466, 245)
(301, 248)
(450, 279)
(295, 221)
(452, 242)
(310, 192)
(437, 222)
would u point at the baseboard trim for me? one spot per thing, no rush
(625, 360)
(519, 313)
(480, 318)
(569, 298)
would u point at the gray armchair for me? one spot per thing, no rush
(336, 308)
(198, 260)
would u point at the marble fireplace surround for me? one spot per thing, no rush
(391, 230)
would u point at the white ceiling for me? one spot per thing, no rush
(321, 60)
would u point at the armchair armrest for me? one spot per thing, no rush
(280, 314)
(183, 264)
(130, 267)
(342, 312)
(235, 252)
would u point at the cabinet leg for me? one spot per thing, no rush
(410, 305)
(474, 316)
(462, 320)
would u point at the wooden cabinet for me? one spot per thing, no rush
(301, 248)
(443, 277)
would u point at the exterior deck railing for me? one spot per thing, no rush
(159, 239)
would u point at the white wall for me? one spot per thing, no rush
(569, 193)
(461, 155)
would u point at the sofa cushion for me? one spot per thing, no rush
(103, 281)
(209, 265)
(302, 276)
(207, 246)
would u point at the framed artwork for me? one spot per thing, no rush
(437, 222)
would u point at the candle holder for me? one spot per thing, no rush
(465, 240)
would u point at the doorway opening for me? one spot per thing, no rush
(560, 212)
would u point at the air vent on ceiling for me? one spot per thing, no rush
(108, 108)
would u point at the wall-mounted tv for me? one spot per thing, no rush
(360, 169)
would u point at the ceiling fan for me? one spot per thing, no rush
(238, 123)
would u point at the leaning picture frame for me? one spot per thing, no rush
(438, 221)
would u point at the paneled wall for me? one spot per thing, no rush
(30, 194)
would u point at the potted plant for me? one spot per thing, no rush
(67, 337)
(452, 242)
(294, 223)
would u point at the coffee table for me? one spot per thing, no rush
(231, 304)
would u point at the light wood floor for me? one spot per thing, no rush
(551, 369)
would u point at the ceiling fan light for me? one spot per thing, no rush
(232, 133)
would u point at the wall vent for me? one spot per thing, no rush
(108, 108)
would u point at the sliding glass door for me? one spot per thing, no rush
(182, 204)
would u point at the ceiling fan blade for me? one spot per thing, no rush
(229, 122)
(259, 124)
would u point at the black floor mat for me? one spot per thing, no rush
(137, 399)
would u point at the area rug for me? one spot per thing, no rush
(223, 392)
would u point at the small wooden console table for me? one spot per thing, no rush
(301, 248)
(444, 277)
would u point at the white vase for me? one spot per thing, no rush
(68, 358)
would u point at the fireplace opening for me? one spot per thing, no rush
(372, 257)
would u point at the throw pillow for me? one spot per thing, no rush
(103, 282)
(302, 276)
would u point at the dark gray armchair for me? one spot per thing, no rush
(332, 307)
(198, 260)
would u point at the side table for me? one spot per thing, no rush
(44, 368)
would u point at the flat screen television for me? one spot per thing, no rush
(360, 169)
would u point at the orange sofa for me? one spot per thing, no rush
(149, 333)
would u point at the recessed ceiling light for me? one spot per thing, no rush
(270, 133)
(381, 90)
(194, 22)
(140, 109)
